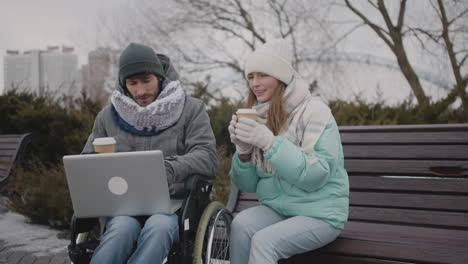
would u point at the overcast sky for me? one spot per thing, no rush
(35, 24)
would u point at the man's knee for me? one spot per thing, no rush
(161, 223)
(125, 227)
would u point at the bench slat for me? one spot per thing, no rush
(405, 128)
(245, 205)
(12, 148)
(8, 146)
(404, 234)
(4, 166)
(7, 152)
(452, 137)
(409, 216)
(405, 216)
(5, 159)
(10, 139)
(316, 257)
(3, 174)
(405, 167)
(410, 200)
(433, 185)
(434, 152)
(396, 251)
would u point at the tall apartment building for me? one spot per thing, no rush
(51, 72)
(99, 76)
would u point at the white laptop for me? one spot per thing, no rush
(122, 183)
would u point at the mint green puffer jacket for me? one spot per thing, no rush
(314, 185)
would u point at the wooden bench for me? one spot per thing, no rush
(408, 197)
(12, 150)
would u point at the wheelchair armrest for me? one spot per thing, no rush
(189, 185)
(197, 181)
(197, 198)
(81, 225)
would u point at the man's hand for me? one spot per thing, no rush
(169, 173)
(241, 147)
(251, 132)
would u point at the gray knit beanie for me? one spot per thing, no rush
(136, 59)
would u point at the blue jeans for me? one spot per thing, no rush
(125, 240)
(261, 235)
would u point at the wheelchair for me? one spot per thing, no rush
(204, 229)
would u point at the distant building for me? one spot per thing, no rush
(51, 72)
(99, 75)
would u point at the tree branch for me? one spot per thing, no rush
(457, 17)
(401, 15)
(375, 27)
(452, 56)
(462, 61)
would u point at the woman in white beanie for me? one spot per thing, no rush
(292, 158)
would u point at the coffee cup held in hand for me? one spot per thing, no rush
(104, 145)
(247, 113)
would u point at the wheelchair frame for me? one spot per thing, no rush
(196, 225)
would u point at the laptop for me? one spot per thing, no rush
(122, 183)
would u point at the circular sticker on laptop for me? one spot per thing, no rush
(117, 185)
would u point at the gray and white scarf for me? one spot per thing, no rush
(306, 114)
(159, 115)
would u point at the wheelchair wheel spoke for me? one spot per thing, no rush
(219, 253)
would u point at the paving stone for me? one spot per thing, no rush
(10, 255)
(28, 259)
(2, 245)
(4, 255)
(42, 260)
(16, 257)
(59, 258)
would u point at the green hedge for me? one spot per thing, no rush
(39, 191)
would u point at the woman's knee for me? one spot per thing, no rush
(264, 246)
(240, 223)
(243, 226)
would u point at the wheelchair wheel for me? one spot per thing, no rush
(212, 239)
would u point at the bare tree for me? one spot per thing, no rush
(212, 38)
(393, 35)
(205, 36)
(449, 32)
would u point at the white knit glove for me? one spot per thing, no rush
(241, 147)
(249, 131)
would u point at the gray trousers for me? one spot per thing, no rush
(261, 235)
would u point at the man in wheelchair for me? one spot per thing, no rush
(149, 110)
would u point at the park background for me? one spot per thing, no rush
(373, 62)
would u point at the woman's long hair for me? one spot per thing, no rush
(277, 115)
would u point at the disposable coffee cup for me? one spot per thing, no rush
(247, 113)
(104, 145)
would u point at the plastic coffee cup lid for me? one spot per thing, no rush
(104, 141)
(246, 111)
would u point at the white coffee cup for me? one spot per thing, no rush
(104, 145)
(247, 113)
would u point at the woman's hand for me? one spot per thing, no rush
(251, 132)
(241, 147)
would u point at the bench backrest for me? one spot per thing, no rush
(12, 148)
(405, 174)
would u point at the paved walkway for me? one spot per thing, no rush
(9, 255)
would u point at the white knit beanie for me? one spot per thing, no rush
(273, 58)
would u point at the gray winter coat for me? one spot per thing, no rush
(189, 146)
